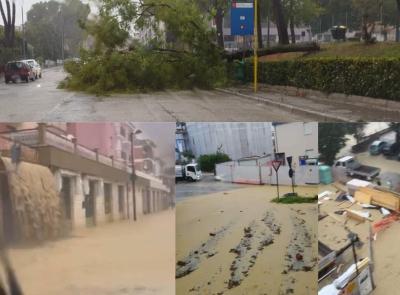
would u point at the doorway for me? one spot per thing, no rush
(66, 200)
(90, 203)
(107, 201)
(148, 202)
(121, 203)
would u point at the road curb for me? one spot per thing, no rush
(384, 105)
(320, 117)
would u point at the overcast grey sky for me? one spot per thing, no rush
(26, 4)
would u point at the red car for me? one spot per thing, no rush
(17, 70)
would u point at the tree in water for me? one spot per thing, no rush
(9, 23)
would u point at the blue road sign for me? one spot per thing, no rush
(242, 19)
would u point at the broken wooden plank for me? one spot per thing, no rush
(383, 199)
(363, 197)
(359, 216)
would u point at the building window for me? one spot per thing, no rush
(107, 198)
(123, 155)
(122, 131)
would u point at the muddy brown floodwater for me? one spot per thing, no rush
(112, 259)
(238, 242)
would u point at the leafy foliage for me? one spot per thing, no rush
(332, 138)
(371, 77)
(207, 162)
(117, 64)
(48, 21)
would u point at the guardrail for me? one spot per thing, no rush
(51, 136)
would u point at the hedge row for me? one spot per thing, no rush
(371, 77)
(208, 162)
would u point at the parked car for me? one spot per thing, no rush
(18, 70)
(376, 147)
(392, 149)
(37, 70)
(354, 169)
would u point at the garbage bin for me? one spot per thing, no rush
(240, 71)
(339, 32)
(325, 174)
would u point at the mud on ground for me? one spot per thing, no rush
(238, 242)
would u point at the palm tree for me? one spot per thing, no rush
(9, 23)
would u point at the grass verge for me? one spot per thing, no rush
(294, 199)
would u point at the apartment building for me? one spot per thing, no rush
(44, 168)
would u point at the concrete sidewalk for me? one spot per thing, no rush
(324, 107)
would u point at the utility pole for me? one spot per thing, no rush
(133, 175)
(256, 45)
(268, 26)
(62, 31)
(23, 31)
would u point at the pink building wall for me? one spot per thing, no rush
(108, 138)
(95, 135)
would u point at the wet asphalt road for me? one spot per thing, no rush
(207, 185)
(42, 101)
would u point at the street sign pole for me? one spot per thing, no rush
(256, 45)
(276, 165)
(277, 183)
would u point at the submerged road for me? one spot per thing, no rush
(42, 101)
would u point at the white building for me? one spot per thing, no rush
(238, 140)
(234, 43)
(299, 140)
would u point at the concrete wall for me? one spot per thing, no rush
(229, 172)
(246, 174)
(303, 175)
(238, 140)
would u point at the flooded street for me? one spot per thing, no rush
(369, 129)
(238, 242)
(111, 259)
(207, 185)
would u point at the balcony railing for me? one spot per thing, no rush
(33, 138)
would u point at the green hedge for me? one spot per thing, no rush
(371, 77)
(207, 162)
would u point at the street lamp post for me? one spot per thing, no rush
(62, 32)
(133, 175)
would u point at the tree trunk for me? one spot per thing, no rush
(398, 21)
(292, 32)
(12, 37)
(259, 27)
(9, 23)
(365, 34)
(280, 22)
(219, 21)
(397, 130)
